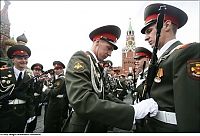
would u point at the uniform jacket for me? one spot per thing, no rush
(86, 102)
(38, 97)
(13, 117)
(57, 107)
(140, 85)
(179, 89)
(24, 93)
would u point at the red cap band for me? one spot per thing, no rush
(58, 66)
(142, 54)
(106, 35)
(19, 52)
(37, 67)
(167, 17)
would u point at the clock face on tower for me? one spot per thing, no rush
(130, 43)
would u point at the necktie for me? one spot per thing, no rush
(19, 77)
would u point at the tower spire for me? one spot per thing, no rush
(128, 51)
(130, 29)
(4, 13)
(130, 38)
(5, 42)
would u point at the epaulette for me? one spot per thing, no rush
(86, 53)
(182, 46)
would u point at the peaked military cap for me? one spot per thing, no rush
(58, 64)
(142, 52)
(18, 50)
(37, 66)
(176, 15)
(109, 33)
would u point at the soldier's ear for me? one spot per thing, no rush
(13, 59)
(97, 42)
(167, 25)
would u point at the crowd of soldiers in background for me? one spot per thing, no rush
(49, 88)
(50, 92)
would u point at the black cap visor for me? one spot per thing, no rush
(150, 23)
(110, 42)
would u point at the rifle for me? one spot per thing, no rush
(153, 63)
(143, 67)
(133, 91)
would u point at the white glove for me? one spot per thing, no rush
(30, 119)
(144, 107)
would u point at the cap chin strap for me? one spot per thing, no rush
(97, 50)
(108, 40)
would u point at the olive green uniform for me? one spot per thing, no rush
(179, 89)
(91, 112)
(57, 107)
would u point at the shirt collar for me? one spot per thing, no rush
(165, 47)
(17, 71)
(94, 56)
(57, 76)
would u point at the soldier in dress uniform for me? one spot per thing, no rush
(48, 84)
(37, 69)
(176, 84)
(16, 101)
(122, 87)
(58, 102)
(142, 58)
(85, 89)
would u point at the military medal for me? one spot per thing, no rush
(157, 79)
(9, 75)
